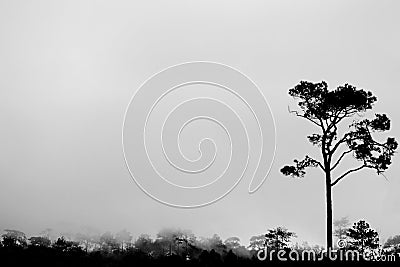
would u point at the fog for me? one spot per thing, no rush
(69, 69)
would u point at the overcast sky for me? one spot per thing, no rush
(68, 70)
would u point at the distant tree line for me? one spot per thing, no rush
(178, 247)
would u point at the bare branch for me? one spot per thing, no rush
(320, 165)
(340, 158)
(347, 173)
(298, 114)
(338, 143)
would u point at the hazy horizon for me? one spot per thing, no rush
(69, 70)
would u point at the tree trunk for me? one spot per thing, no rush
(328, 211)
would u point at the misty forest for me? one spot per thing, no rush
(183, 248)
(344, 131)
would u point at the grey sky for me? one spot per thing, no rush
(69, 68)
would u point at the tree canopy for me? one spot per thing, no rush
(363, 237)
(327, 109)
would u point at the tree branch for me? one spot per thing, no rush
(341, 141)
(298, 114)
(340, 158)
(320, 165)
(347, 173)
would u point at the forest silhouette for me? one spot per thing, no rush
(183, 248)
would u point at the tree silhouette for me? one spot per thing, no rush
(232, 243)
(64, 245)
(167, 239)
(86, 240)
(200, 251)
(124, 238)
(327, 110)
(14, 238)
(362, 236)
(257, 242)
(278, 237)
(216, 244)
(144, 243)
(108, 242)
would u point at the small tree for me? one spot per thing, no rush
(14, 238)
(362, 237)
(278, 238)
(216, 244)
(124, 238)
(144, 243)
(232, 243)
(183, 239)
(64, 245)
(328, 110)
(257, 242)
(168, 240)
(108, 242)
